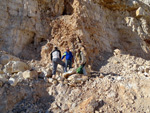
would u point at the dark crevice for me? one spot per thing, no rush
(147, 41)
(68, 9)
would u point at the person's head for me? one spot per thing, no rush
(67, 49)
(56, 48)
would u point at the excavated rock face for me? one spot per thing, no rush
(30, 30)
(24, 25)
(102, 26)
(98, 26)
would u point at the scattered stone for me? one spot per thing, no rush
(13, 81)
(47, 72)
(30, 74)
(70, 72)
(101, 76)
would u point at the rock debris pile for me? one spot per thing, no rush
(122, 85)
(115, 35)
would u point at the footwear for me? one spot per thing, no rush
(45, 78)
(54, 76)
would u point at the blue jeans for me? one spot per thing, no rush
(68, 63)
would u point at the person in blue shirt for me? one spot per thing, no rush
(69, 58)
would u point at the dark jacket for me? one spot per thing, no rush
(55, 54)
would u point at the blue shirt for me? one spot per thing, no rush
(68, 55)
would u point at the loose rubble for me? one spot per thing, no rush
(115, 37)
(120, 86)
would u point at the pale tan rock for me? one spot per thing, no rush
(30, 74)
(117, 52)
(15, 66)
(140, 12)
(5, 58)
(84, 77)
(74, 76)
(19, 66)
(16, 78)
(47, 72)
(70, 72)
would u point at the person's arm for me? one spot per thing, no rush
(83, 60)
(59, 53)
(51, 56)
(63, 55)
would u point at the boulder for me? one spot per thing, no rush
(70, 72)
(15, 66)
(30, 74)
(77, 78)
(142, 12)
(47, 72)
(19, 66)
(16, 79)
(13, 81)
(4, 59)
(73, 77)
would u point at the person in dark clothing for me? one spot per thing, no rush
(56, 59)
(69, 58)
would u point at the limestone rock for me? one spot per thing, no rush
(16, 79)
(70, 72)
(15, 66)
(47, 72)
(13, 81)
(5, 58)
(140, 12)
(74, 76)
(30, 74)
(117, 52)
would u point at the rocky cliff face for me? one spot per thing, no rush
(30, 29)
(99, 26)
